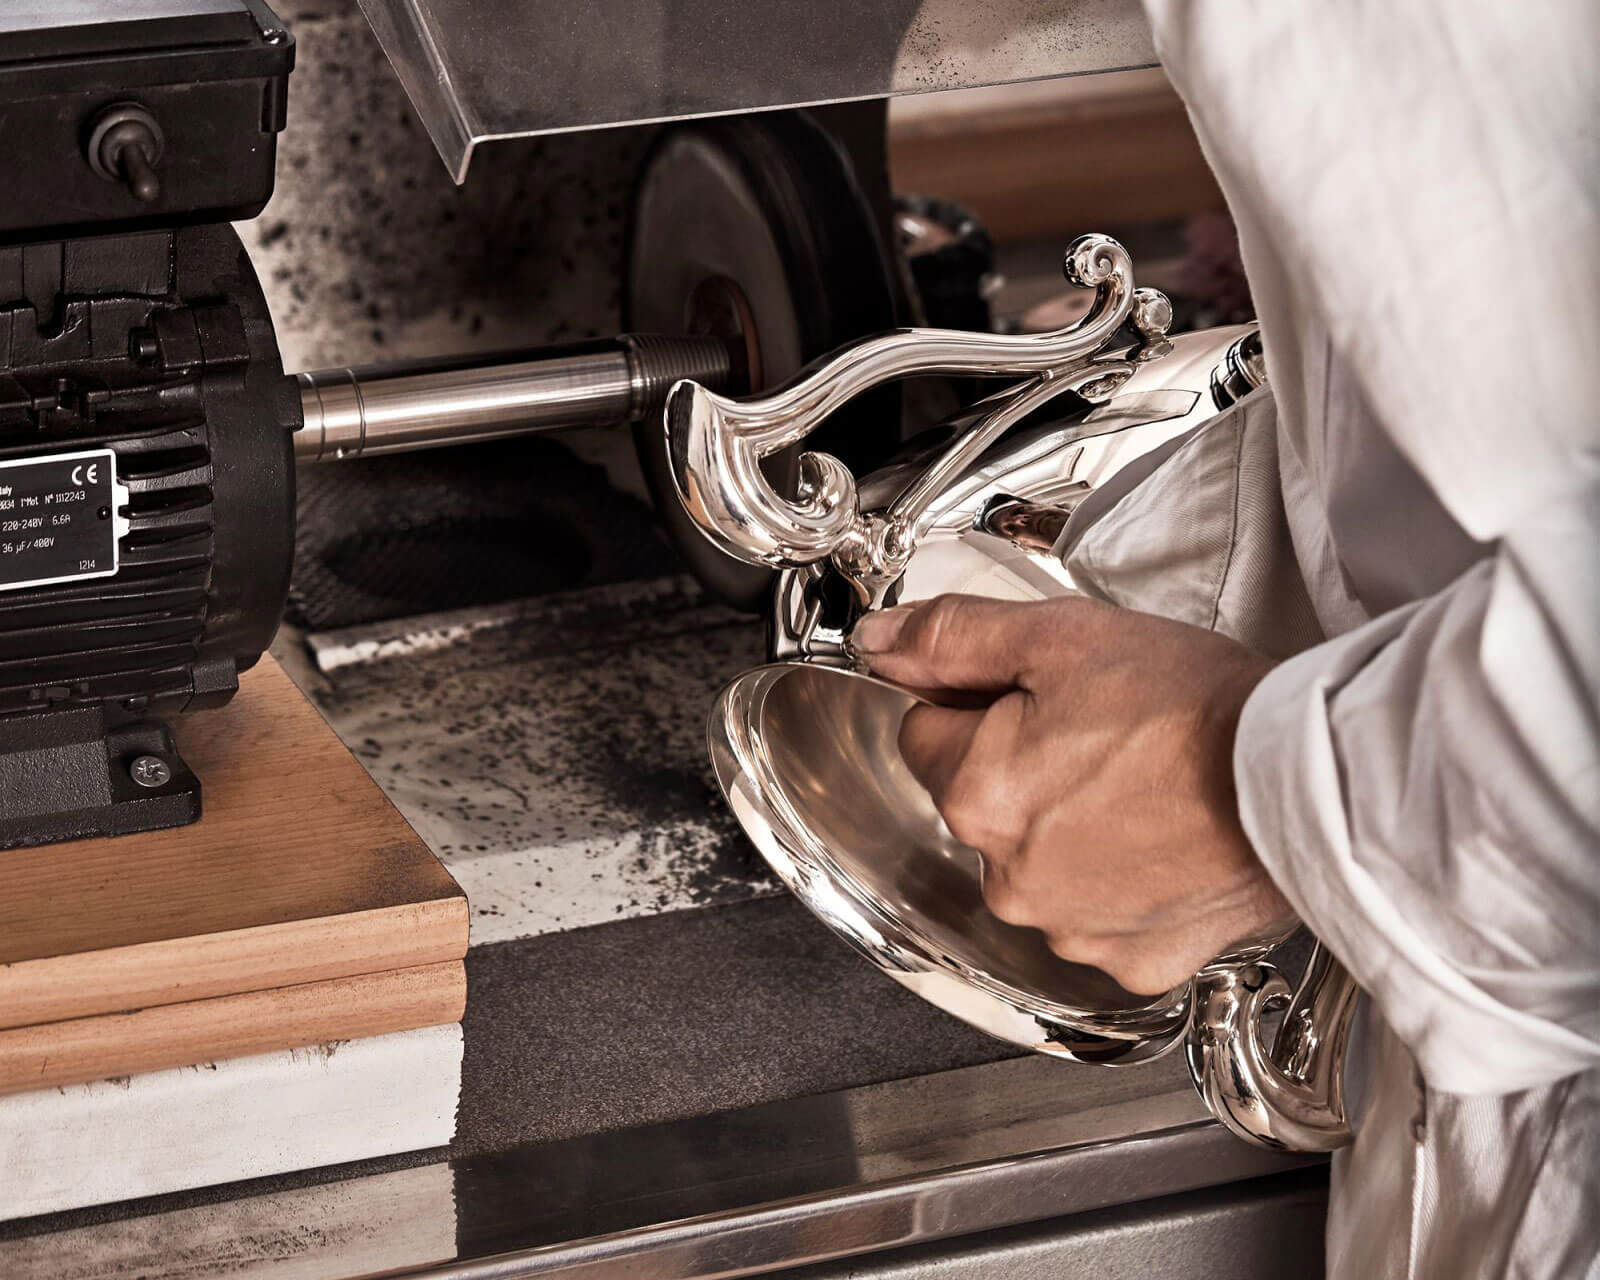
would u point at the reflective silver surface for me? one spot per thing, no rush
(962, 545)
(350, 413)
(483, 69)
(1287, 1094)
(1242, 370)
(744, 1192)
(920, 1209)
(805, 749)
(716, 444)
(808, 759)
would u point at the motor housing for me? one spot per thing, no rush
(144, 366)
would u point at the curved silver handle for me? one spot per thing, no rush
(1289, 1097)
(715, 444)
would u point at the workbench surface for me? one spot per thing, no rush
(654, 1033)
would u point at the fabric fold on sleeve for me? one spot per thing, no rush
(1382, 815)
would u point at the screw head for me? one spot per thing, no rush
(150, 771)
(143, 347)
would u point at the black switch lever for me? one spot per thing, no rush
(124, 146)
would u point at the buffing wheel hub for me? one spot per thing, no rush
(756, 230)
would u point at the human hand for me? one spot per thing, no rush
(1097, 782)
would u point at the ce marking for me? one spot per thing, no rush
(82, 474)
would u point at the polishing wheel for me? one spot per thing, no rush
(756, 230)
(752, 252)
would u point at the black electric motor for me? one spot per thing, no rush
(146, 475)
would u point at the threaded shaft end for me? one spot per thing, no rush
(657, 362)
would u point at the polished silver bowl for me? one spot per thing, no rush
(808, 760)
(806, 749)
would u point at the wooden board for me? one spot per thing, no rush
(78, 1050)
(1055, 158)
(299, 872)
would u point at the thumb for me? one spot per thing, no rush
(954, 642)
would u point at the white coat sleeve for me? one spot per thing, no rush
(1418, 199)
(1424, 790)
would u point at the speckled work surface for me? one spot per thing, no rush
(552, 752)
(630, 962)
(682, 1015)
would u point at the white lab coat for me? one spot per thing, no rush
(1417, 191)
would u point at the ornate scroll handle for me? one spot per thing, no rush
(1288, 1098)
(715, 444)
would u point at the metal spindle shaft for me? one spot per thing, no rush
(350, 413)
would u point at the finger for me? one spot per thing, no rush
(959, 642)
(1140, 961)
(1003, 896)
(960, 756)
(935, 742)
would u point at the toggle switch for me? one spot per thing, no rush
(125, 146)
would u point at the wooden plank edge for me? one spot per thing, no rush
(259, 958)
(1044, 168)
(200, 1031)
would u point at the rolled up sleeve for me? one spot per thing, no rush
(1425, 791)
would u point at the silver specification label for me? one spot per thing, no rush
(58, 518)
